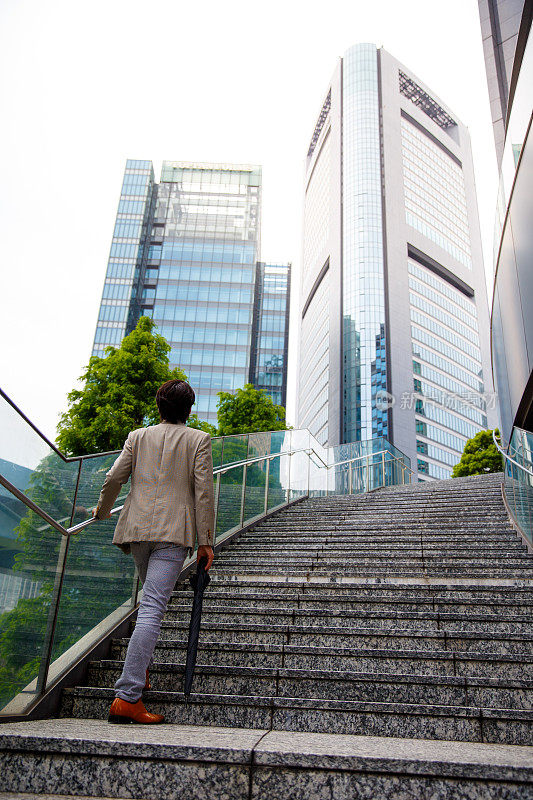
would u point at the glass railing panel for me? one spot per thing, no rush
(299, 474)
(259, 444)
(280, 441)
(26, 592)
(278, 479)
(29, 463)
(97, 591)
(229, 500)
(317, 477)
(254, 500)
(299, 440)
(235, 448)
(217, 445)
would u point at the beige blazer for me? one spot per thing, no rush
(171, 498)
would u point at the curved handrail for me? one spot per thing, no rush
(508, 457)
(44, 515)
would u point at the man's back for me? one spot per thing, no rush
(171, 495)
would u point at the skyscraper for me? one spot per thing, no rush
(508, 45)
(394, 318)
(186, 252)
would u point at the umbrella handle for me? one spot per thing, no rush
(202, 564)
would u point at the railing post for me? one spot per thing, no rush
(267, 478)
(217, 495)
(367, 482)
(383, 468)
(243, 493)
(349, 477)
(289, 479)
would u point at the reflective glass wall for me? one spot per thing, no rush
(447, 383)
(203, 270)
(364, 324)
(270, 333)
(119, 308)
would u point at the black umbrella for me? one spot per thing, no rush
(199, 582)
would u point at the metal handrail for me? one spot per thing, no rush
(44, 515)
(511, 460)
(75, 529)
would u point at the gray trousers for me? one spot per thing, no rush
(158, 564)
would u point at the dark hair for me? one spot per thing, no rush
(174, 400)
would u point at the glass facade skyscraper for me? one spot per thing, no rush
(191, 249)
(394, 318)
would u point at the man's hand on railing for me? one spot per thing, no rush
(205, 550)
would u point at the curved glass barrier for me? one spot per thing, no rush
(518, 483)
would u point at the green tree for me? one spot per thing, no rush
(206, 427)
(248, 410)
(480, 456)
(118, 394)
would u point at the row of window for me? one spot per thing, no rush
(436, 452)
(446, 335)
(127, 230)
(205, 250)
(446, 418)
(442, 316)
(205, 273)
(116, 291)
(424, 212)
(207, 293)
(108, 335)
(436, 298)
(438, 435)
(208, 335)
(441, 286)
(124, 250)
(436, 204)
(113, 313)
(450, 401)
(208, 358)
(430, 155)
(120, 270)
(430, 233)
(443, 363)
(448, 383)
(180, 313)
(434, 471)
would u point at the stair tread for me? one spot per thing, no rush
(273, 748)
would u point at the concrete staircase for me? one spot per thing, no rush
(374, 646)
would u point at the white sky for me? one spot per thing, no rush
(85, 86)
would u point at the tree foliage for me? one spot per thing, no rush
(480, 456)
(201, 425)
(248, 410)
(118, 394)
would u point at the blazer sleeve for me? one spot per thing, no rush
(204, 496)
(114, 479)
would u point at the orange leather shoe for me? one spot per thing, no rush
(123, 713)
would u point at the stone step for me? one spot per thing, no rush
(386, 571)
(210, 762)
(422, 721)
(337, 588)
(327, 685)
(316, 617)
(362, 637)
(515, 666)
(333, 605)
(460, 556)
(371, 547)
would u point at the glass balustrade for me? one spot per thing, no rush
(518, 480)
(61, 592)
